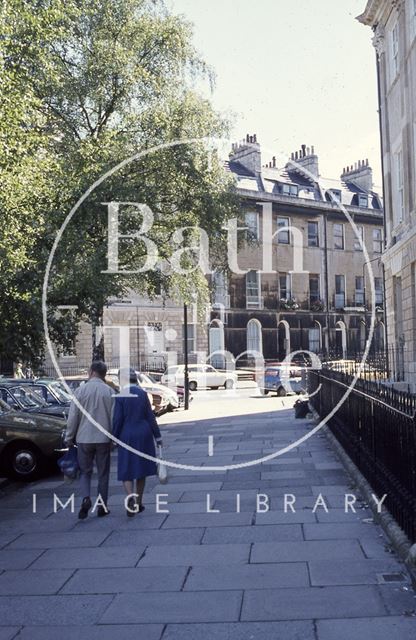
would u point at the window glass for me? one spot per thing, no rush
(284, 286)
(363, 200)
(289, 189)
(357, 244)
(377, 241)
(359, 290)
(283, 234)
(313, 234)
(314, 293)
(252, 224)
(338, 236)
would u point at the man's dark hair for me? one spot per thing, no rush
(100, 368)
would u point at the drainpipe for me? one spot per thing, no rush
(326, 282)
(380, 124)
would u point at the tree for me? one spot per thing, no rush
(93, 82)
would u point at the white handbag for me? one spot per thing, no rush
(162, 470)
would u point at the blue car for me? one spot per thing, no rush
(273, 381)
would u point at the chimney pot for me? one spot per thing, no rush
(274, 161)
(313, 150)
(255, 137)
(296, 155)
(247, 138)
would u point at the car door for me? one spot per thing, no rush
(214, 378)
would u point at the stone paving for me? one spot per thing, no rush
(223, 575)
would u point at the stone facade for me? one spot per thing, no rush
(394, 26)
(327, 306)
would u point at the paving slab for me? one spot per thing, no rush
(8, 633)
(49, 581)
(195, 555)
(271, 533)
(55, 610)
(347, 571)
(201, 606)
(254, 576)
(207, 520)
(305, 551)
(384, 628)
(338, 531)
(298, 630)
(126, 580)
(313, 602)
(190, 536)
(18, 559)
(96, 632)
(89, 558)
(74, 539)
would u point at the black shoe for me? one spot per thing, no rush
(102, 511)
(141, 508)
(131, 507)
(85, 507)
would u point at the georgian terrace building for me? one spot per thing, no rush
(321, 310)
(327, 307)
(394, 26)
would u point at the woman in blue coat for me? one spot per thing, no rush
(135, 424)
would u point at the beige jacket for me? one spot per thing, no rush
(96, 397)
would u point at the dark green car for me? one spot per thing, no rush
(28, 442)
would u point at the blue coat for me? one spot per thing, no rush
(135, 424)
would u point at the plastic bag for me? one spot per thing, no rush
(68, 464)
(162, 470)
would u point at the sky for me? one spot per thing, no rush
(294, 72)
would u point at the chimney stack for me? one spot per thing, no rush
(306, 158)
(360, 174)
(247, 153)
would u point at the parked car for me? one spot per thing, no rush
(51, 390)
(200, 375)
(24, 398)
(161, 397)
(170, 396)
(273, 381)
(28, 442)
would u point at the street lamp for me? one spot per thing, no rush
(185, 356)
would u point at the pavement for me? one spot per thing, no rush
(230, 574)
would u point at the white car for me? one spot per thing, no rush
(161, 397)
(200, 375)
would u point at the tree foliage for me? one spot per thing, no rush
(85, 85)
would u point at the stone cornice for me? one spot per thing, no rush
(370, 15)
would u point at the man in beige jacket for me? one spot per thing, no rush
(96, 398)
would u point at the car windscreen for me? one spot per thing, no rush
(26, 398)
(60, 392)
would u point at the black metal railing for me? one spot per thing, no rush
(376, 425)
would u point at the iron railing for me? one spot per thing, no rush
(376, 425)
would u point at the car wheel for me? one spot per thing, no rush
(281, 392)
(229, 384)
(215, 388)
(192, 385)
(24, 461)
(265, 392)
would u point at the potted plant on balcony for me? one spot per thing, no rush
(317, 305)
(289, 304)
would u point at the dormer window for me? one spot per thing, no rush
(363, 200)
(335, 195)
(289, 189)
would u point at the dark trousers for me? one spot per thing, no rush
(101, 453)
